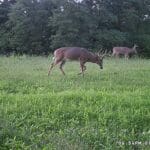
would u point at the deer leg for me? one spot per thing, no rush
(126, 56)
(117, 55)
(113, 55)
(83, 68)
(61, 65)
(52, 66)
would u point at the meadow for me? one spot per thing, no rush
(106, 109)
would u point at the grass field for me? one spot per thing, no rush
(108, 109)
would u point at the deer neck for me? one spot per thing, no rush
(92, 58)
(134, 48)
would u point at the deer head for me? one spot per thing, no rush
(134, 48)
(101, 54)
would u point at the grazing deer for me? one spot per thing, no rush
(75, 53)
(124, 51)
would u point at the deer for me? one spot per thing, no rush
(124, 51)
(61, 55)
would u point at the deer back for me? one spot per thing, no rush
(73, 53)
(122, 50)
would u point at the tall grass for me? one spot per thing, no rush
(107, 109)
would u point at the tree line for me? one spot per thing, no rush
(41, 26)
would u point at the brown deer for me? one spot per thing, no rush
(75, 53)
(124, 51)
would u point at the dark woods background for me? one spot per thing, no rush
(40, 26)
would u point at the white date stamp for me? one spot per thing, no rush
(146, 143)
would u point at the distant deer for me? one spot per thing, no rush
(75, 53)
(124, 51)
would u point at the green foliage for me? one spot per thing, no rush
(95, 112)
(144, 43)
(28, 31)
(107, 38)
(29, 23)
(4, 34)
(71, 26)
(41, 26)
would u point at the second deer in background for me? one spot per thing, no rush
(117, 51)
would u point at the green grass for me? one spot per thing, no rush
(70, 112)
